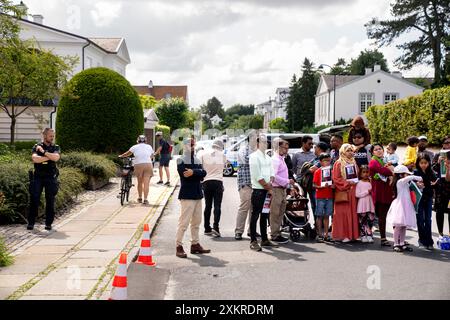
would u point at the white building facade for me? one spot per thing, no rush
(274, 108)
(355, 94)
(111, 53)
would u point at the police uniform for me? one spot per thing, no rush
(45, 176)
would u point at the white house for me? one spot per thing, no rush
(355, 94)
(111, 53)
(275, 108)
(215, 120)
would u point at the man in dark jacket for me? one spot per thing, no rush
(191, 174)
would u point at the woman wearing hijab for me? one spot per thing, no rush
(345, 218)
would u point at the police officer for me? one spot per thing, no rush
(44, 156)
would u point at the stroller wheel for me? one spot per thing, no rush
(295, 235)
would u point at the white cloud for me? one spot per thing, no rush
(105, 13)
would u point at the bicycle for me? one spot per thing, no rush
(127, 179)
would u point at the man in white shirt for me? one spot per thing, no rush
(213, 162)
(262, 176)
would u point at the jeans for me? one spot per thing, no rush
(258, 198)
(213, 190)
(424, 221)
(37, 185)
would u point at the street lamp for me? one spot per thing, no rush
(334, 91)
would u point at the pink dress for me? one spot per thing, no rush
(402, 212)
(365, 202)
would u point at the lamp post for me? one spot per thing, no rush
(334, 91)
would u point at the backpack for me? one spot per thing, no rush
(305, 177)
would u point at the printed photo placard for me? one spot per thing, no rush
(326, 177)
(351, 173)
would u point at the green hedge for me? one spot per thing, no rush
(425, 114)
(14, 190)
(74, 169)
(99, 111)
(97, 166)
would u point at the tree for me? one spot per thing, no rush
(240, 110)
(279, 124)
(248, 122)
(172, 112)
(9, 28)
(301, 103)
(367, 59)
(99, 111)
(213, 107)
(148, 102)
(29, 76)
(341, 68)
(431, 19)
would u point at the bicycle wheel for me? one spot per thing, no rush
(129, 185)
(122, 191)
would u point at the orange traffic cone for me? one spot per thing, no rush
(145, 252)
(119, 290)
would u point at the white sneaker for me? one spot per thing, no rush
(370, 239)
(346, 240)
(364, 239)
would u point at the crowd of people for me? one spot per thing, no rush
(366, 189)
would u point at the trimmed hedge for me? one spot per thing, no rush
(99, 111)
(93, 165)
(425, 114)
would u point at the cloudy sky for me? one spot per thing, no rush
(237, 50)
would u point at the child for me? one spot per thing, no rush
(365, 207)
(423, 169)
(391, 158)
(401, 213)
(324, 198)
(411, 152)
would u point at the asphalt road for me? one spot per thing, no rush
(304, 270)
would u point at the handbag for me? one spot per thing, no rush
(340, 196)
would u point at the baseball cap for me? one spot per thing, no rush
(159, 133)
(423, 138)
(217, 144)
(401, 169)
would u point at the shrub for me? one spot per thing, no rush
(172, 112)
(14, 190)
(5, 258)
(99, 111)
(424, 114)
(165, 130)
(23, 145)
(97, 166)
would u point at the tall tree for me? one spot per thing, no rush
(431, 19)
(367, 59)
(301, 103)
(341, 68)
(240, 110)
(29, 76)
(172, 112)
(213, 107)
(9, 28)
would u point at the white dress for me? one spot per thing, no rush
(402, 212)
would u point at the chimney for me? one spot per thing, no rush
(23, 7)
(397, 74)
(38, 18)
(376, 67)
(150, 84)
(368, 71)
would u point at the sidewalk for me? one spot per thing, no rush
(78, 261)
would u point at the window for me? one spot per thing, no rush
(389, 97)
(365, 101)
(167, 96)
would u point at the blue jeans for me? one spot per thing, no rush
(424, 221)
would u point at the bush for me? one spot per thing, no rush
(172, 112)
(5, 258)
(165, 130)
(425, 114)
(97, 166)
(14, 190)
(23, 145)
(99, 111)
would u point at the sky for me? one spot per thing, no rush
(239, 51)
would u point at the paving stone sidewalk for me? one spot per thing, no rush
(78, 260)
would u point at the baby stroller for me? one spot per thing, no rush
(296, 218)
